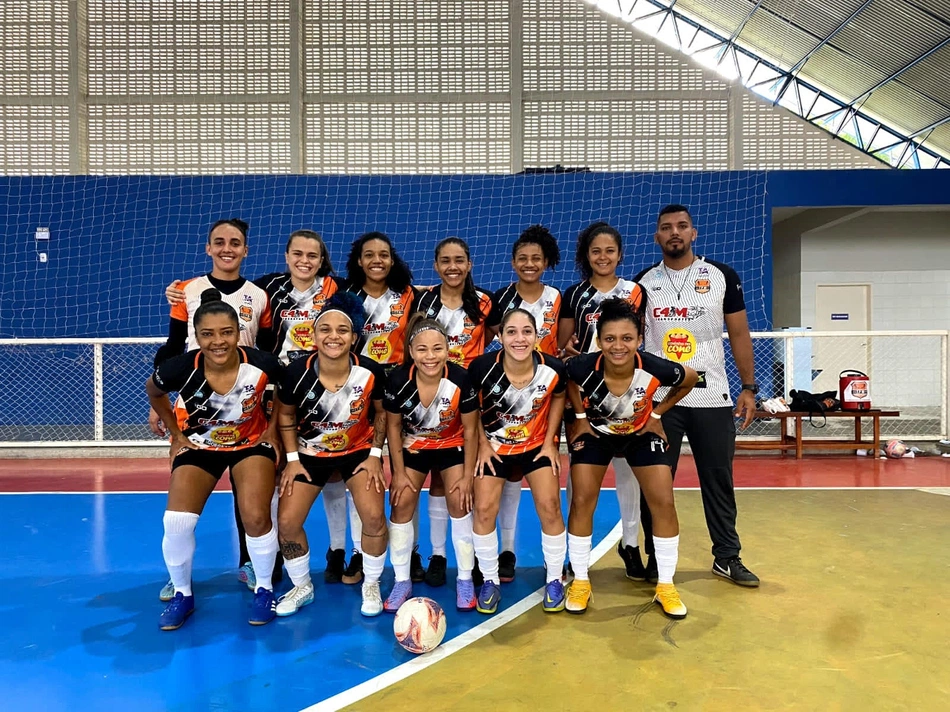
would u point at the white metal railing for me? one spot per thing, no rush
(90, 392)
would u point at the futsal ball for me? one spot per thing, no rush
(419, 625)
(895, 449)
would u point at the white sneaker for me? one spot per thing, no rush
(372, 600)
(167, 593)
(295, 599)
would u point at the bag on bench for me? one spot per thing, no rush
(814, 403)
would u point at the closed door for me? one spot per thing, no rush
(840, 307)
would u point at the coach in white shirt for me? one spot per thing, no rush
(688, 298)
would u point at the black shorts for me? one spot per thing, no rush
(638, 450)
(521, 464)
(426, 461)
(321, 469)
(216, 461)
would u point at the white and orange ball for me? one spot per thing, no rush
(419, 625)
(895, 449)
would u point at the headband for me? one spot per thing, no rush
(338, 311)
(418, 331)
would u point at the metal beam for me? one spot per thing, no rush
(738, 31)
(830, 36)
(913, 63)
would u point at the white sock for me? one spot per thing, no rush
(263, 553)
(178, 548)
(486, 549)
(508, 514)
(628, 497)
(334, 504)
(554, 548)
(298, 569)
(667, 554)
(578, 548)
(415, 527)
(356, 524)
(438, 524)
(400, 549)
(373, 567)
(274, 503)
(464, 546)
(570, 491)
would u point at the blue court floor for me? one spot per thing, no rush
(81, 612)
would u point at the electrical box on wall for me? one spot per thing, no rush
(42, 244)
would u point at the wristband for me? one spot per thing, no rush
(376, 452)
(580, 416)
(655, 415)
(293, 457)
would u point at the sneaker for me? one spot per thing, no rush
(372, 600)
(506, 566)
(632, 562)
(402, 591)
(734, 570)
(435, 575)
(263, 607)
(336, 563)
(465, 595)
(669, 600)
(175, 613)
(295, 599)
(354, 570)
(651, 574)
(417, 572)
(578, 596)
(567, 573)
(553, 597)
(246, 575)
(488, 598)
(167, 593)
(477, 578)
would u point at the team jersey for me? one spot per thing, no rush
(385, 330)
(439, 425)
(684, 322)
(293, 312)
(628, 412)
(466, 340)
(582, 304)
(546, 312)
(332, 423)
(211, 420)
(516, 419)
(249, 301)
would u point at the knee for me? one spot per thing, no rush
(549, 512)
(374, 524)
(257, 524)
(288, 526)
(583, 501)
(485, 511)
(662, 505)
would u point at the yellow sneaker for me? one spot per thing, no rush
(668, 598)
(578, 596)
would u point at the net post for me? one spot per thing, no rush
(945, 401)
(99, 427)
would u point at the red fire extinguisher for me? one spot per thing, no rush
(855, 388)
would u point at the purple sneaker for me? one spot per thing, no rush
(465, 595)
(402, 592)
(553, 597)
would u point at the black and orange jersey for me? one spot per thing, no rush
(628, 412)
(438, 425)
(293, 312)
(516, 419)
(546, 312)
(332, 423)
(466, 339)
(211, 420)
(582, 304)
(384, 333)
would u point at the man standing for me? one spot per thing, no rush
(688, 298)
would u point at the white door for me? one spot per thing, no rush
(840, 307)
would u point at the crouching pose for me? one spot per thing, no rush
(611, 393)
(332, 422)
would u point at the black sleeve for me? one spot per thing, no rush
(267, 338)
(268, 363)
(666, 372)
(171, 374)
(379, 377)
(394, 382)
(478, 369)
(497, 311)
(468, 397)
(265, 281)
(733, 301)
(175, 344)
(289, 380)
(579, 367)
(561, 370)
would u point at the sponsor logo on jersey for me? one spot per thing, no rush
(623, 427)
(357, 406)
(248, 299)
(516, 432)
(379, 349)
(679, 344)
(294, 313)
(225, 436)
(335, 441)
(537, 404)
(246, 313)
(671, 313)
(302, 335)
(592, 318)
(397, 309)
(248, 404)
(318, 301)
(702, 286)
(447, 416)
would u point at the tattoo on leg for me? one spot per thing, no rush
(291, 549)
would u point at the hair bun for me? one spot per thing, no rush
(210, 295)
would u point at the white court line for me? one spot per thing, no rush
(936, 490)
(390, 677)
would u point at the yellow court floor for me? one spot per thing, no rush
(851, 615)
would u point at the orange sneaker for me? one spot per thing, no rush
(578, 596)
(669, 600)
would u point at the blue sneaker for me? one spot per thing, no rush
(175, 613)
(402, 591)
(488, 598)
(263, 608)
(246, 575)
(553, 597)
(465, 595)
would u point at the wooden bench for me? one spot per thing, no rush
(798, 442)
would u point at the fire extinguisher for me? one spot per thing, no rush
(855, 388)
